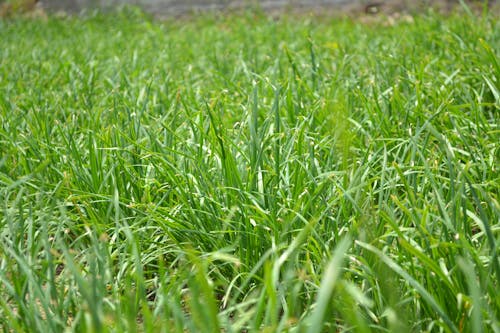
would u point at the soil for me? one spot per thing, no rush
(179, 8)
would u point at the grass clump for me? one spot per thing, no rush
(243, 174)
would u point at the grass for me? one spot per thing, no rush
(245, 174)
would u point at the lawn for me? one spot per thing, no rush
(244, 173)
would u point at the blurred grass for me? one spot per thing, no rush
(9, 8)
(249, 174)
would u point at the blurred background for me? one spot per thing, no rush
(179, 7)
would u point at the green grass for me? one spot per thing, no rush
(244, 174)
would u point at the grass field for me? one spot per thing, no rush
(249, 174)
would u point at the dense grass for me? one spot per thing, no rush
(244, 174)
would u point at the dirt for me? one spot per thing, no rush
(176, 8)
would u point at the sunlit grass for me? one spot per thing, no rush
(244, 174)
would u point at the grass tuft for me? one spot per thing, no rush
(245, 174)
